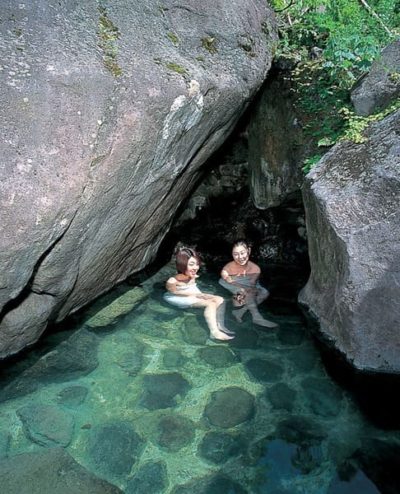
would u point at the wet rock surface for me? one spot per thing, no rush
(380, 86)
(88, 194)
(52, 470)
(353, 223)
(46, 425)
(73, 357)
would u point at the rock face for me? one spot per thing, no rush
(108, 113)
(276, 145)
(382, 83)
(353, 221)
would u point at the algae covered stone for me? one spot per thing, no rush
(114, 447)
(264, 370)
(118, 307)
(230, 407)
(218, 356)
(46, 425)
(217, 484)
(151, 478)
(72, 396)
(175, 432)
(218, 447)
(323, 397)
(163, 390)
(50, 471)
(281, 396)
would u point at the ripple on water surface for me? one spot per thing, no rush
(140, 400)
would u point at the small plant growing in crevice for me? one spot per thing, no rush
(176, 68)
(108, 34)
(209, 43)
(173, 38)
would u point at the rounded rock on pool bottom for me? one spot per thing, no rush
(229, 407)
(72, 396)
(264, 370)
(175, 432)
(163, 390)
(114, 448)
(46, 425)
(281, 396)
(217, 484)
(219, 447)
(173, 359)
(323, 397)
(218, 356)
(151, 478)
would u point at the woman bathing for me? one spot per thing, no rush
(183, 292)
(240, 277)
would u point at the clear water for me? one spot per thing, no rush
(168, 410)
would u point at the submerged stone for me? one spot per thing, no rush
(151, 478)
(4, 443)
(218, 447)
(114, 447)
(52, 471)
(379, 459)
(175, 432)
(245, 340)
(163, 390)
(117, 308)
(291, 335)
(194, 333)
(217, 484)
(131, 362)
(300, 430)
(74, 357)
(230, 407)
(304, 358)
(264, 370)
(46, 425)
(173, 359)
(218, 356)
(281, 397)
(72, 396)
(323, 397)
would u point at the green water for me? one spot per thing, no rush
(162, 408)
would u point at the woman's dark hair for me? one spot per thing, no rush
(182, 256)
(242, 242)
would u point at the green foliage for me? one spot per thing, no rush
(356, 125)
(209, 43)
(310, 162)
(331, 44)
(108, 35)
(176, 68)
(173, 38)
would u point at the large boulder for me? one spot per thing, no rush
(108, 113)
(352, 203)
(277, 145)
(381, 85)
